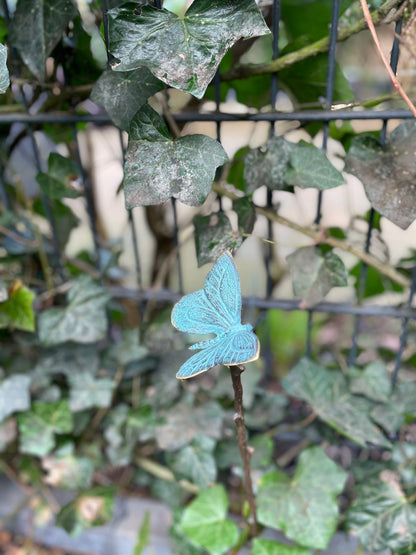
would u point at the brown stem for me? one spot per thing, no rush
(245, 450)
(396, 84)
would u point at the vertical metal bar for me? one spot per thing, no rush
(394, 58)
(4, 197)
(176, 243)
(329, 95)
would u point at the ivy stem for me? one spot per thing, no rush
(245, 450)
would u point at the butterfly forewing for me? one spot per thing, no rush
(195, 314)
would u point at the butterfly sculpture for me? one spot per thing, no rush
(216, 309)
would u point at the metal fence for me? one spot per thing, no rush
(32, 121)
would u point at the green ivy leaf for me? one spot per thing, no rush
(266, 165)
(87, 392)
(310, 495)
(183, 52)
(123, 93)
(267, 410)
(196, 461)
(213, 236)
(328, 394)
(62, 179)
(14, 395)
(382, 517)
(38, 426)
(17, 312)
(388, 175)
(4, 72)
(143, 535)
(309, 167)
(246, 215)
(158, 168)
(270, 547)
(65, 470)
(129, 349)
(36, 28)
(204, 521)
(84, 320)
(391, 415)
(93, 507)
(64, 359)
(373, 382)
(314, 274)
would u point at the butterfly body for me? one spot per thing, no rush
(216, 309)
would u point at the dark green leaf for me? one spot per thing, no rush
(23, 229)
(122, 94)
(213, 236)
(309, 167)
(14, 395)
(196, 461)
(236, 171)
(17, 311)
(328, 394)
(270, 547)
(263, 450)
(129, 349)
(374, 381)
(392, 415)
(246, 214)
(204, 521)
(4, 72)
(66, 358)
(83, 320)
(87, 392)
(36, 28)
(38, 426)
(158, 168)
(403, 456)
(314, 275)
(93, 507)
(65, 470)
(266, 165)
(183, 52)
(304, 507)
(62, 179)
(267, 410)
(382, 517)
(388, 175)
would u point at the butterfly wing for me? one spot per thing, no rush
(236, 347)
(222, 288)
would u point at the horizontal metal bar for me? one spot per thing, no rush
(168, 297)
(315, 115)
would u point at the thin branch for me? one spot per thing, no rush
(245, 450)
(319, 237)
(321, 45)
(396, 84)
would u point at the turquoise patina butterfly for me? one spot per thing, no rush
(216, 309)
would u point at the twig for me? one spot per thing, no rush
(164, 473)
(322, 45)
(245, 450)
(316, 235)
(18, 238)
(396, 84)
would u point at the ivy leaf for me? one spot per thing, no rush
(36, 28)
(93, 507)
(246, 215)
(314, 274)
(65, 470)
(266, 165)
(310, 495)
(328, 394)
(183, 52)
(204, 521)
(17, 312)
(309, 167)
(196, 461)
(129, 348)
(373, 382)
(382, 517)
(84, 320)
(183, 424)
(14, 395)
(4, 72)
(213, 236)
(62, 179)
(270, 547)
(392, 415)
(38, 426)
(267, 410)
(388, 175)
(87, 392)
(158, 168)
(123, 93)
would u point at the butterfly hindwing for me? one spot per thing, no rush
(235, 347)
